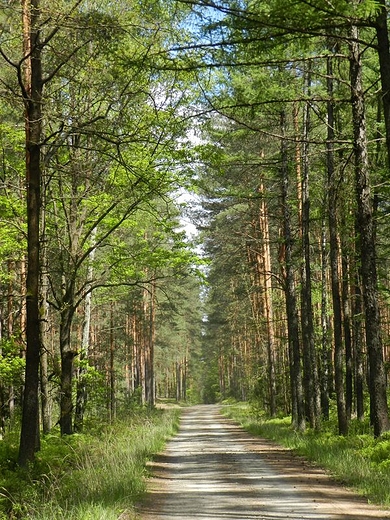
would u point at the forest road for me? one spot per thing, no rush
(213, 470)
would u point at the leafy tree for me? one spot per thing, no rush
(101, 146)
(259, 42)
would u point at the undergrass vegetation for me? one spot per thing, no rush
(358, 460)
(94, 476)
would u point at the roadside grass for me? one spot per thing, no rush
(357, 460)
(99, 476)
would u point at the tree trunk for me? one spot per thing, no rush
(46, 401)
(67, 357)
(268, 307)
(81, 393)
(365, 220)
(2, 389)
(325, 348)
(311, 385)
(334, 262)
(290, 291)
(347, 328)
(357, 342)
(144, 348)
(260, 297)
(148, 342)
(383, 48)
(178, 381)
(112, 406)
(32, 95)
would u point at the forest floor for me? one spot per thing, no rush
(214, 470)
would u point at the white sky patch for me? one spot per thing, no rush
(186, 199)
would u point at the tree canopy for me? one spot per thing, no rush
(273, 119)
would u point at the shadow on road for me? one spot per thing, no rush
(215, 470)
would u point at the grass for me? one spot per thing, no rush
(99, 476)
(358, 460)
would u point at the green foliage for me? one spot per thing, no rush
(95, 385)
(11, 363)
(96, 475)
(12, 210)
(178, 335)
(378, 452)
(367, 9)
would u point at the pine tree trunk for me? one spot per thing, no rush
(357, 341)
(347, 329)
(112, 404)
(32, 94)
(67, 357)
(149, 339)
(128, 358)
(145, 346)
(383, 47)
(325, 348)
(365, 220)
(178, 381)
(46, 401)
(2, 389)
(312, 395)
(81, 393)
(142, 352)
(290, 291)
(268, 306)
(334, 263)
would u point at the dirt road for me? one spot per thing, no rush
(213, 470)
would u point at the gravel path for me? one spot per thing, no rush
(213, 470)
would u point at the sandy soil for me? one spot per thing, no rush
(214, 470)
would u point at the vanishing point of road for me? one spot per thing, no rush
(213, 470)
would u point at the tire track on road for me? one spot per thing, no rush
(213, 470)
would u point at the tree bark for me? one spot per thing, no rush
(325, 347)
(366, 233)
(268, 307)
(112, 404)
(81, 393)
(311, 385)
(357, 341)
(383, 47)
(347, 328)
(67, 357)
(46, 401)
(32, 94)
(334, 262)
(290, 291)
(148, 339)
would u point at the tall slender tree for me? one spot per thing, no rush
(334, 256)
(297, 397)
(366, 234)
(31, 84)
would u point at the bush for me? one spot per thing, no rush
(85, 476)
